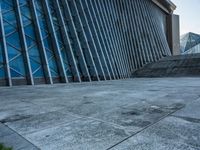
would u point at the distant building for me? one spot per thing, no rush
(61, 41)
(190, 43)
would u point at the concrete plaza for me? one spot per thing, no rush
(132, 114)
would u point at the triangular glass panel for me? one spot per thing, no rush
(42, 22)
(14, 40)
(6, 6)
(56, 26)
(38, 5)
(39, 13)
(52, 63)
(14, 73)
(26, 11)
(26, 21)
(54, 74)
(8, 28)
(39, 73)
(59, 37)
(10, 17)
(69, 73)
(22, 2)
(18, 65)
(34, 65)
(44, 33)
(30, 42)
(34, 52)
(47, 44)
(12, 52)
(49, 54)
(29, 30)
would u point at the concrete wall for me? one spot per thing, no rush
(174, 34)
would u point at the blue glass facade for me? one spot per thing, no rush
(45, 41)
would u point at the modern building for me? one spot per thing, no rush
(61, 41)
(190, 43)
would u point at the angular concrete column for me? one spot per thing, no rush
(173, 30)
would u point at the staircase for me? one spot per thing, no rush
(172, 66)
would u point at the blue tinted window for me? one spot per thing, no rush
(38, 73)
(18, 65)
(31, 41)
(12, 52)
(2, 73)
(13, 40)
(9, 28)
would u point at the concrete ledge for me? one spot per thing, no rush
(174, 66)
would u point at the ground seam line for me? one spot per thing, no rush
(169, 114)
(22, 136)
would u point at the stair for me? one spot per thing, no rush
(172, 66)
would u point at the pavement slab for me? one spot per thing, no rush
(169, 134)
(12, 139)
(132, 114)
(191, 111)
(81, 134)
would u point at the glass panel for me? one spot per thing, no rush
(32, 45)
(14, 73)
(34, 65)
(1, 53)
(39, 73)
(12, 52)
(22, 2)
(8, 28)
(10, 17)
(16, 65)
(34, 52)
(59, 38)
(30, 42)
(46, 39)
(6, 5)
(30, 31)
(189, 43)
(13, 42)
(26, 21)
(2, 71)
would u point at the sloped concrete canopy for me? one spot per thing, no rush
(166, 5)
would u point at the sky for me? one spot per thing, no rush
(189, 11)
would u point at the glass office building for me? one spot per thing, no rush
(61, 41)
(190, 43)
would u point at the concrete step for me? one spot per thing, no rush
(172, 66)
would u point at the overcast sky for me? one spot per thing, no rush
(189, 11)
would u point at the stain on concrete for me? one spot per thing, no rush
(132, 113)
(193, 120)
(15, 118)
(176, 106)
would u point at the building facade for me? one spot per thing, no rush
(61, 41)
(190, 43)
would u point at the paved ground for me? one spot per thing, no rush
(135, 114)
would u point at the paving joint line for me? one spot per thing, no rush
(165, 116)
(21, 136)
